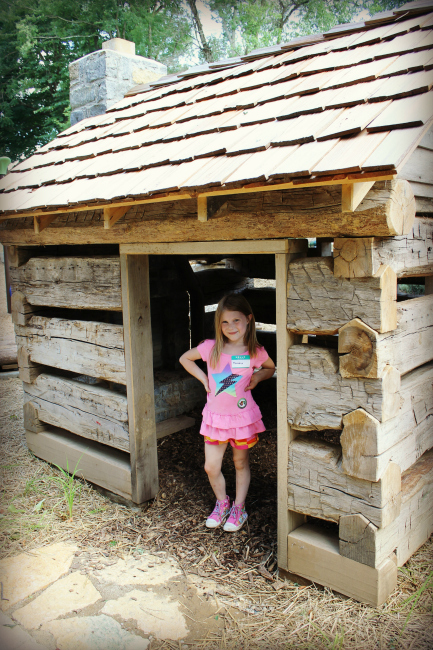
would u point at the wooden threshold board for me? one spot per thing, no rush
(340, 179)
(313, 553)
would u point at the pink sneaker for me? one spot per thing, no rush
(219, 514)
(237, 518)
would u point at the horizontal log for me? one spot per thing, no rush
(317, 485)
(86, 347)
(408, 255)
(314, 554)
(318, 396)
(369, 446)
(96, 463)
(28, 371)
(363, 542)
(387, 210)
(22, 311)
(367, 353)
(321, 303)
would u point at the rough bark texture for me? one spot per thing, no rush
(367, 353)
(321, 303)
(363, 542)
(319, 487)
(369, 446)
(388, 209)
(407, 255)
(318, 397)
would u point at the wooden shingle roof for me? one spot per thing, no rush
(352, 103)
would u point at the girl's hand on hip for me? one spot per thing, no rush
(205, 382)
(253, 382)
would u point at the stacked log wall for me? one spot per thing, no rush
(361, 408)
(71, 354)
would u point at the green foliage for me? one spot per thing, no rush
(69, 485)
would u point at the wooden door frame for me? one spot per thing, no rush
(135, 279)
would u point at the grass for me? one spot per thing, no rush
(68, 484)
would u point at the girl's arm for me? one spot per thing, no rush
(266, 371)
(187, 360)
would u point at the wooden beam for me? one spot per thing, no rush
(112, 215)
(352, 195)
(314, 554)
(313, 182)
(202, 208)
(287, 519)
(42, 221)
(139, 376)
(213, 248)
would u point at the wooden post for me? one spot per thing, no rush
(139, 376)
(287, 520)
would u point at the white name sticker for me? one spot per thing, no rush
(241, 361)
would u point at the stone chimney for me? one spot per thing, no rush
(102, 78)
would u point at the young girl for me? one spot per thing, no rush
(230, 415)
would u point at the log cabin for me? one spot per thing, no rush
(307, 165)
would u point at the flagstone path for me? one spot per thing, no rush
(61, 597)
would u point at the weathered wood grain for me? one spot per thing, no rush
(314, 554)
(407, 255)
(77, 282)
(319, 487)
(85, 347)
(387, 210)
(369, 446)
(367, 353)
(319, 302)
(363, 542)
(318, 397)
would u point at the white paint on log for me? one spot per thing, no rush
(319, 302)
(96, 463)
(314, 554)
(78, 282)
(369, 446)
(319, 487)
(318, 396)
(367, 353)
(87, 347)
(407, 255)
(363, 542)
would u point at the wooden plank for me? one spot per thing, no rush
(86, 347)
(97, 463)
(419, 167)
(314, 554)
(369, 446)
(287, 519)
(353, 120)
(407, 112)
(22, 311)
(365, 353)
(318, 397)
(317, 485)
(202, 208)
(352, 195)
(407, 255)
(42, 222)
(208, 248)
(75, 282)
(139, 376)
(349, 154)
(320, 303)
(363, 542)
(422, 190)
(28, 370)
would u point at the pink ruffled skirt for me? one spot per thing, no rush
(236, 427)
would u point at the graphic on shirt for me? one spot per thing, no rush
(242, 403)
(226, 381)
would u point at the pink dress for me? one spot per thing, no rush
(230, 412)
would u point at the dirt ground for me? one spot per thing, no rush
(256, 609)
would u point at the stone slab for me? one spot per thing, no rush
(74, 592)
(93, 633)
(152, 613)
(12, 637)
(148, 570)
(24, 574)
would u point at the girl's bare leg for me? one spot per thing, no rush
(241, 459)
(213, 461)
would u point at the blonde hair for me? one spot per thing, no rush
(233, 302)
